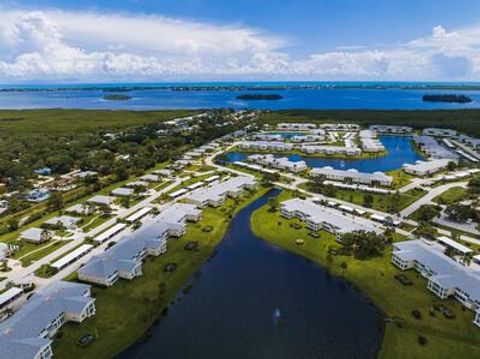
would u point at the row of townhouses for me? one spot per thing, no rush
(282, 163)
(352, 176)
(446, 277)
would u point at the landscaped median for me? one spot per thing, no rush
(400, 303)
(126, 310)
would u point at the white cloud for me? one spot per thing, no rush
(59, 45)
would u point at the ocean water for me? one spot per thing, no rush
(383, 96)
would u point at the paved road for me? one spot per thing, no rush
(432, 193)
(20, 274)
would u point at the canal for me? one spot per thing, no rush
(254, 300)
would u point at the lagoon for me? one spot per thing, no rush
(254, 300)
(400, 150)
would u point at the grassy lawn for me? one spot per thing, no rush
(96, 222)
(452, 195)
(35, 255)
(400, 178)
(386, 203)
(447, 338)
(126, 310)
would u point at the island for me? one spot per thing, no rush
(116, 97)
(447, 98)
(257, 96)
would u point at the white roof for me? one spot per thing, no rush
(32, 234)
(98, 199)
(9, 294)
(80, 251)
(110, 232)
(139, 214)
(178, 193)
(122, 191)
(454, 244)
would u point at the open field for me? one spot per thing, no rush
(126, 310)
(446, 338)
(451, 195)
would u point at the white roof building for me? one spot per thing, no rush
(101, 200)
(425, 168)
(352, 175)
(64, 221)
(123, 192)
(281, 163)
(36, 235)
(296, 126)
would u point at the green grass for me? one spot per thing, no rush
(42, 252)
(96, 222)
(452, 195)
(385, 203)
(126, 310)
(400, 178)
(446, 338)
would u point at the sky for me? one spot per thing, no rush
(66, 41)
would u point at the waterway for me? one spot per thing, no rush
(254, 300)
(161, 96)
(400, 150)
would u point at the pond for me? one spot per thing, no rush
(400, 150)
(254, 300)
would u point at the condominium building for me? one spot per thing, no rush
(340, 126)
(215, 194)
(28, 334)
(425, 168)
(296, 126)
(433, 149)
(352, 176)
(268, 137)
(282, 163)
(266, 145)
(331, 150)
(317, 217)
(439, 132)
(307, 138)
(446, 277)
(392, 129)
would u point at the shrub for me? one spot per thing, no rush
(417, 314)
(422, 340)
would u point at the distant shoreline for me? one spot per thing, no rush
(239, 87)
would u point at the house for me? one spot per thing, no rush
(352, 176)
(28, 334)
(85, 174)
(425, 168)
(122, 192)
(164, 173)
(101, 200)
(138, 184)
(44, 171)
(64, 221)
(446, 277)
(79, 209)
(38, 195)
(36, 235)
(317, 217)
(150, 178)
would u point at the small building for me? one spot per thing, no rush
(122, 192)
(101, 200)
(137, 184)
(71, 257)
(79, 209)
(64, 221)
(36, 235)
(44, 171)
(150, 178)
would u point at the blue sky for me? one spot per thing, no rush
(247, 39)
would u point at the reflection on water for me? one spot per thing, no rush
(253, 300)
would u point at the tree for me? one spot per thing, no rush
(368, 200)
(425, 230)
(273, 204)
(452, 166)
(460, 213)
(362, 244)
(427, 213)
(55, 201)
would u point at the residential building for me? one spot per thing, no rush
(446, 277)
(101, 200)
(296, 126)
(439, 132)
(352, 176)
(67, 222)
(282, 163)
(28, 334)
(392, 129)
(123, 192)
(36, 235)
(317, 217)
(266, 146)
(433, 149)
(331, 150)
(38, 195)
(425, 168)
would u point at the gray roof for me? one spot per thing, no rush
(20, 334)
(352, 174)
(218, 190)
(447, 271)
